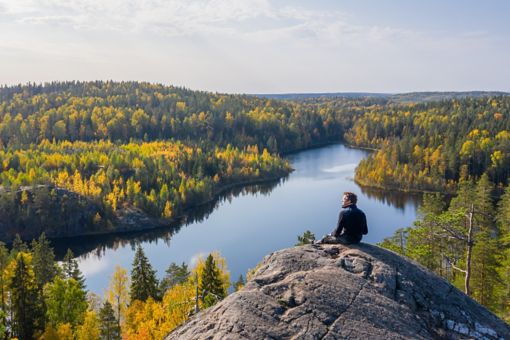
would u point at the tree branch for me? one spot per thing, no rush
(454, 233)
(452, 263)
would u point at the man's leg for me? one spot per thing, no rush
(347, 239)
(328, 239)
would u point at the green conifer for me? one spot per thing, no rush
(503, 223)
(4, 262)
(43, 260)
(24, 303)
(18, 245)
(143, 278)
(307, 238)
(108, 324)
(239, 283)
(71, 269)
(175, 274)
(211, 287)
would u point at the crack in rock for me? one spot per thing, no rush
(330, 327)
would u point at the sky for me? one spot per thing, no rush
(261, 46)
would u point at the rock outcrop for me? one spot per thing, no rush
(344, 292)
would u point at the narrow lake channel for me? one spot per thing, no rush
(248, 224)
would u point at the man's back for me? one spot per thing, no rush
(351, 225)
(351, 221)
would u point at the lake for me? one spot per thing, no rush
(249, 223)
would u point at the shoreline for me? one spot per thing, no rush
(312, 147)
(407, 191)
(153, 223)
(158, 223)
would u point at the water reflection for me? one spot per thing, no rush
(97, 245)
(396, 199)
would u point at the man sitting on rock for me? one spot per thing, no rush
(351, 225)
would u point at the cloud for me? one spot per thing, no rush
(236, 45)
(93, 265)
(187, 16)
(55, 20)
(260, 20)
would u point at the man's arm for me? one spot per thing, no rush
(364, 230)
(339, 226)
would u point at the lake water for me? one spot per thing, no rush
(250, 223)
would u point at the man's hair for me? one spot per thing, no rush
(351, 197)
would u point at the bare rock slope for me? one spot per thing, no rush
(344, 292)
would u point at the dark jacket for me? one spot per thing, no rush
(352, 222)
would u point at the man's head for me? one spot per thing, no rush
(349, 198)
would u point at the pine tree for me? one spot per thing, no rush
(503, 223)
(45, 269)
(18, 246)
(108, 324)
(143, 278)
(459, 226)
(239, 283)
(307, 238)
(43, 260)
(422, 243)
(211, 287)
(23, 295)
(4, 262)
(484, 204)
(71, 269)
(175, 274)
(469, 223)
(397, 242)
(485, 279)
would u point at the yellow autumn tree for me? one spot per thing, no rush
(65, 332)
(179, 301)
(167, 211)
(89, 330)
(154, 320)
(118, 293)
(50, 333)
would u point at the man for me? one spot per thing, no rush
(351, 225)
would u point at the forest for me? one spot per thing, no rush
(122, 111)
(69, 188)
(81, 157)
(466, 240)
(41, 298)
(83, 136)
(78, 157)
(458, 152)
(432, 146)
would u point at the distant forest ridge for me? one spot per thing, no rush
(80, 88)
(392, 97)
